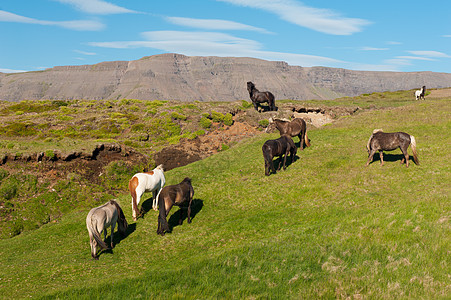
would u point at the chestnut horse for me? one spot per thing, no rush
(278, 147)
(381, 141)
(260, 97)
(140, 183)
(296, 127)
(171, 195)
(99, 219)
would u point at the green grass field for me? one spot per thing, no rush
(327, 227)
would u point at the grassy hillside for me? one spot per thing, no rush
(327, 227)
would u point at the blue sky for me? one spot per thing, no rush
(381, 35)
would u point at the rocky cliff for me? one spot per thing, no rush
(179, 77)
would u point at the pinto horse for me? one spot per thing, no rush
(140, 183)
(171, 195)
(296, 127)
(99, 219)
(260, 97)
(381, 141)
(278, 147)
(419, 94)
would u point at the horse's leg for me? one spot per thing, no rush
(381, 154)
(112, 232)
(406, 155)
(280, 162)
(301, 140)
(154, 202)
(285, 161)
(370, 157)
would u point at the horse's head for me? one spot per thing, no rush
(121, 221)
(160, 167)
(250, 86)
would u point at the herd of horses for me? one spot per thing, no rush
(165, 197)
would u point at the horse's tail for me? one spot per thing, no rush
(162, 213)
(413, 145)
(307, 142)
(96, 234)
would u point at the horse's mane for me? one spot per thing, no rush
(160, 167)
(377, 130)
(119, 209)
(187, 179)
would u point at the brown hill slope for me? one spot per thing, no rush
(179, 77)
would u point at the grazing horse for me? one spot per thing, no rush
(98, 220)
(296, 127)
(171, 195)
(381, 141)
(140, 183)
(419, 94)
(278, 147)
(260, 97)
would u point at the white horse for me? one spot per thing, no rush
(140, 183)
(419, 94)
(99, 219)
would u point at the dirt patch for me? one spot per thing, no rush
(442, 93)
(188, 151)
(89, 165)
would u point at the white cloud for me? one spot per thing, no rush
(85, 53)
(415, 58)
(322, 20)
(213, 24)
(11, 71)
(81, 25)
(434, 54)
(373, 49)
(97, 7)
(214, 44)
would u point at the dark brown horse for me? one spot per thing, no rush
(260, 97)
(278, 147)
(381, 141)
(171, 195)
(296, 127)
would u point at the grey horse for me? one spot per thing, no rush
(99, 219)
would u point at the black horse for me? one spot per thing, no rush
(279, 147)
(382, 141)
(260, 97)
(178, 194)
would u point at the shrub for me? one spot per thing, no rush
(205, 123)
(217, 117)
(263, 123)
(176, 116)
(228, 119)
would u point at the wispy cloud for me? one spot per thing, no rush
(213, 44)
(81, 25)
(97, 7)
(11, 71)
(373, 49)
(85, 53)
(213, 24)
(415, 58)
(322, 20)
(434, 54)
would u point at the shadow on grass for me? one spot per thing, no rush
(278, 160)
(118, 237)
(391, 158)
(182, 212)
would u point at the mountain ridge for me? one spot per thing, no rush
(197, 78)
